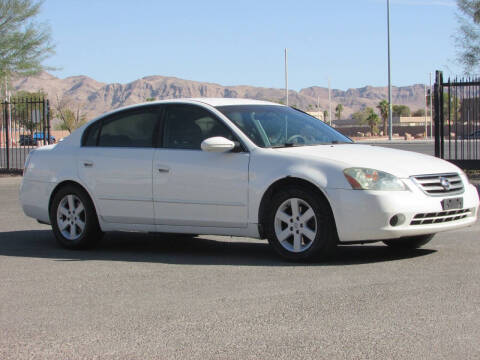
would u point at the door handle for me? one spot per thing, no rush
(163, 169)
(88, 164)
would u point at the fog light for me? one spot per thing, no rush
(397, 220)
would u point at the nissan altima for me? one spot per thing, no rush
(242, 168)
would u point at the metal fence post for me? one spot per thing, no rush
(7, 134)
(441, 116)
(437, 111)
(46, 107)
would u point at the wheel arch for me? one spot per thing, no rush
(64, 183)
(279, 184)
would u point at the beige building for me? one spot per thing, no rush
(411, 120)
(317, 114)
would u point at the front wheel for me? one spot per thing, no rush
(412, 242)
(73, 218)
(300, 225)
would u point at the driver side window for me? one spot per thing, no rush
(186, 126)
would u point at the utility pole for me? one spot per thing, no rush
(389, 76)
(425, 91)
(318, 107)
(286, 75)
(329, 103)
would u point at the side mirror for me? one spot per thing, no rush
(217, 144)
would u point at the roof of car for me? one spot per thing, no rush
(230, 101)
(208, 101)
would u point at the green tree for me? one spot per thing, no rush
(359, 116)
(325, 115)
(372, 121)
(369, 117)
(69, 113)
(455, 108)
(24, 113)
(383, 107)
(400, 110)
(24, 43)
(467, 39)
(338, 111)
(419, 112)
(150, 99)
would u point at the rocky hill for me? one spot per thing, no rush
(96, 97)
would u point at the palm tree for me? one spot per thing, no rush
(372, 120)
(369, 117)
(338, 111)
(383, 107)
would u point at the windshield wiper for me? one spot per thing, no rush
(285, 145)
(341, 142)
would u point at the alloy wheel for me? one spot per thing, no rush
(71, 217)
(295, 225)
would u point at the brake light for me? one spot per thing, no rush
(27, 162)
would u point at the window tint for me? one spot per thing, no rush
(91, 134)
(187, 126)
(130, 130)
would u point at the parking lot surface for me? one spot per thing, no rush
(151, 297)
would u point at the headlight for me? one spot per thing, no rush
(371, 179)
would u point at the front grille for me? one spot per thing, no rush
(441, 217)
(432, 184)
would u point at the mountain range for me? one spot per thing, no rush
(96, 97)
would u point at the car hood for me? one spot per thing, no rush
(396, 162)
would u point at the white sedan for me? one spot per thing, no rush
(243, 168)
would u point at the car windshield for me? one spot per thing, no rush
(281, 126)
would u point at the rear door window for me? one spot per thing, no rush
(130, 130)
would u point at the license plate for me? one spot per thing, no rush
(455, 203)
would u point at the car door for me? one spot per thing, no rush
(115, 161)
(192, 187)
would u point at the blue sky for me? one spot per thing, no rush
(242, 42)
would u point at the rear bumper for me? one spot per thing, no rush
(34, 198)
(365, 215)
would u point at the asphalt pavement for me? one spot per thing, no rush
(151, 297)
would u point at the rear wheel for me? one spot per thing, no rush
(299, 225)
(412, 242)
(73, 218)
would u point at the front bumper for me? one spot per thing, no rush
(365, 215)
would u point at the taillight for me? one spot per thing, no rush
(27, 162)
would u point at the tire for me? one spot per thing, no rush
(74, 230)
(412, 242)
(295, 238)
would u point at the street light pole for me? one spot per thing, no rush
(389, 76)
(286, 75)
(318, 107)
